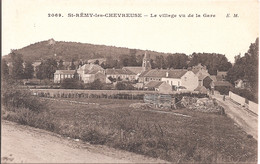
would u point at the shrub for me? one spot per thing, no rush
(72, 83)
(20, 98)
(124, 86)
(96, 85)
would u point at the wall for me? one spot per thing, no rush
(172, 81)
(190, 81)
(237, 98)
(253, 107)
(241, 100)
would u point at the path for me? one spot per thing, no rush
(245, 119)
(24, 144)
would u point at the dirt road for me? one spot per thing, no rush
(24, 144)
(246, 120)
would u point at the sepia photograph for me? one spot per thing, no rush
(127, 81)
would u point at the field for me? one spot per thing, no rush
(200, 138)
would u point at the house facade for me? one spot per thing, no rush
(122, 74)
(174, 77)
(87, 73)
(60, 75)
(181, 78)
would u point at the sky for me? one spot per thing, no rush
(27, 22)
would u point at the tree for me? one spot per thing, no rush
(124, 86)
(17, 66)
(72, 66)
(46, 69)
(28, 70)
(60, 65)
(160, 62)
(72, 83)
(214, 62)
(246, 67)
(4, 69)
(96, 85)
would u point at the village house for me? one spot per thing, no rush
(221, 86)
(120, 74)
(59, 75)
(179, 78)
(242, 84)
(221, 75)
(87, 73)
(201, 72)
(136, 70)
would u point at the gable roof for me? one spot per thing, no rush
(174, 73)
(135, 70)
(222, 83)
(221, 73)
(201, 77)
(153, 84)
(119, 72)
(71, 72)
(90, 68)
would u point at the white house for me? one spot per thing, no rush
(181, 78)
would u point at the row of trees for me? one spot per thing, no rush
(18, 70)
(246, 67)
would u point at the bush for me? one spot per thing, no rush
(96, 85)
(72, 83)
(20, 98)
(124, 86)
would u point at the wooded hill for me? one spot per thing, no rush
(75, 50)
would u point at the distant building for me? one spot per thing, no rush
(221, 86)
(136, 70)
(173, 77)
(60, 75)
(242, 84)
(201, 72)
(88, 73)
(123, 74)
(221, 75)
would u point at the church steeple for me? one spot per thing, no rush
(146, 62)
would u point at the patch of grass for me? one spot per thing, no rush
(201, 138)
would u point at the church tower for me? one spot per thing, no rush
(146, 62)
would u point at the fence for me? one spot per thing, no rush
(243, 101)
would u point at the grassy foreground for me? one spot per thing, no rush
(201, 138)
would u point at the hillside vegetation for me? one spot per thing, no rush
(73, 50)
